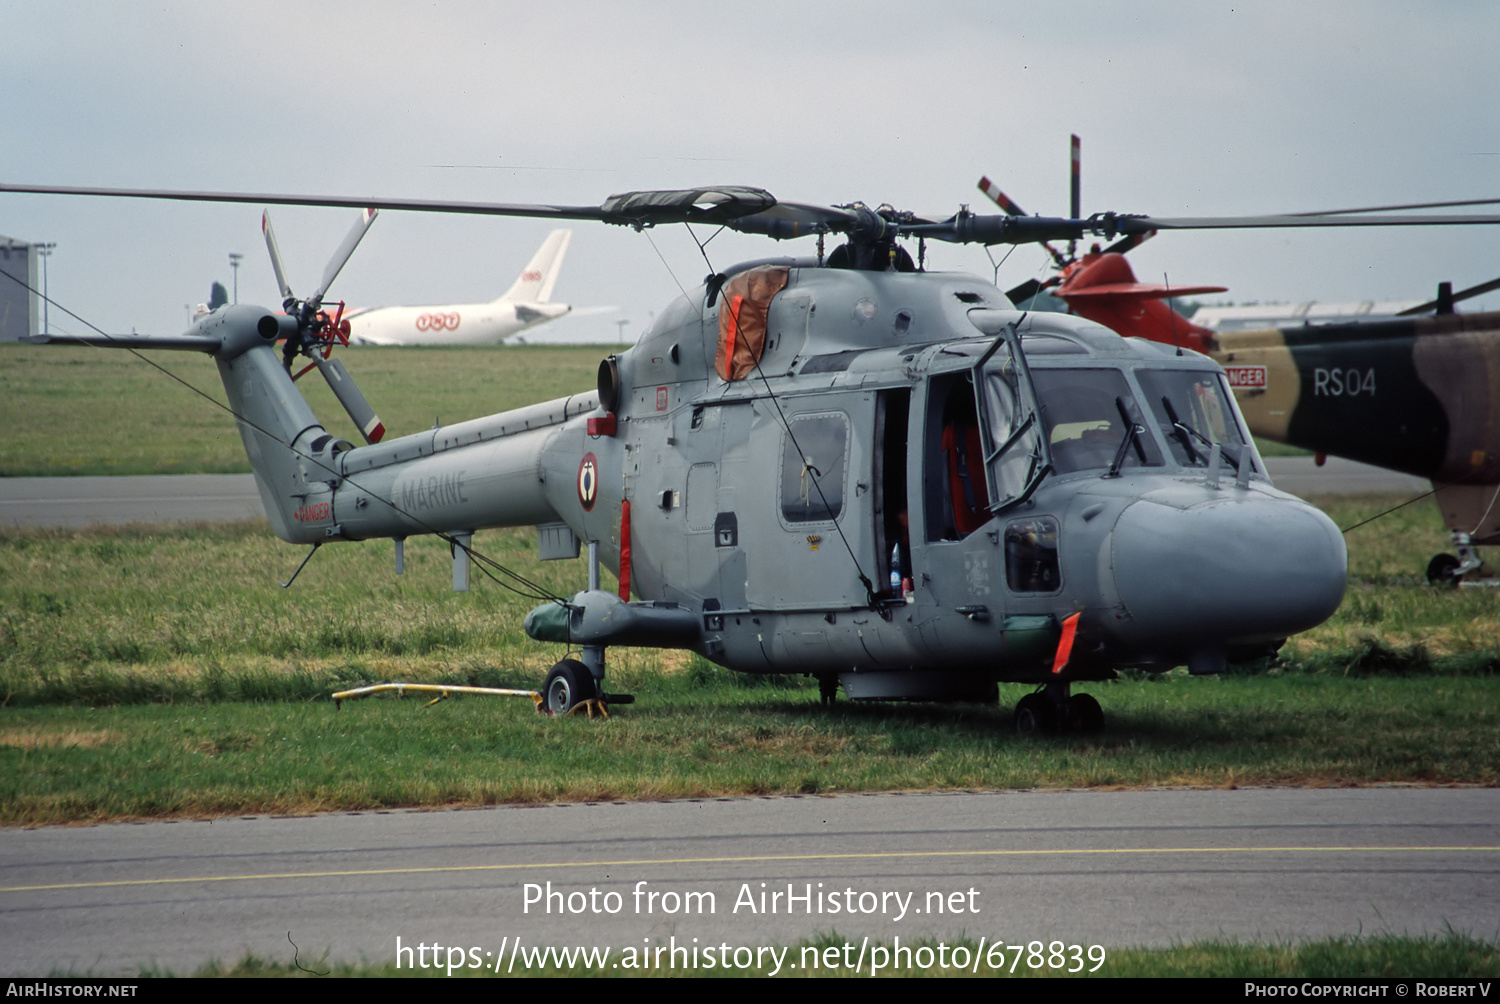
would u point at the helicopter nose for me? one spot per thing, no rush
(1235, 569)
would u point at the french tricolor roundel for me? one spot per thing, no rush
(588, 481)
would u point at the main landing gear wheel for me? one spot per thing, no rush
(1036, 716)
(1084, 715)
(828, 690)
(1442, 570)
(568, 685)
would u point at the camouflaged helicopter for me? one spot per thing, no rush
(840, 465)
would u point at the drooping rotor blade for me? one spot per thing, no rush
(333, 201)
(1025, 291)
(1075, 197)
(1075, 204)
(276, 266)
(348, 393)
(1463, 294)
(1000, 199)
(345, 249)
(1129, 243)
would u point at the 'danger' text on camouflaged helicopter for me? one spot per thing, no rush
(849, 467)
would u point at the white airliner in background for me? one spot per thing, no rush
(525, 304)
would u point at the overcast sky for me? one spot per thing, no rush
(1184, 109)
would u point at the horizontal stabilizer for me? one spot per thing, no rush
(1138, 290)
(182, 343)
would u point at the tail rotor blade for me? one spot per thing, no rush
(276, 266)
(345, 249)
(348, 393)
(1463, 294)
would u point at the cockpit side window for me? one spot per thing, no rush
(812, 468)
(1088, 414)
(1031, 564)
(1192, 410)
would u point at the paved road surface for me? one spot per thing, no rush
(183, 498)
(72, 502)
(1111, 868)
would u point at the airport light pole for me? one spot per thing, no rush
(45, 250)
(621, 325)
(234, 264)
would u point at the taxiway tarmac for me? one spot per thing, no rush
(1108, 868)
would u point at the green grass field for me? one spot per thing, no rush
(1382, 957)
(160, 671)
(68, 410)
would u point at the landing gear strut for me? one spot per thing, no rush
(828, 690)
(1448, 569)
(1052, 710)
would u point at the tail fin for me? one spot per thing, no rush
(1103, 289)
(534, 285)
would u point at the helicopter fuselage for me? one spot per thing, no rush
(887, 498)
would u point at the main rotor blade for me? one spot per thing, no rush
(1025, 291)
(999, 198)
(1463, 294)
(276, 266)
(1076, 200)
(709, 204)
(1075, 195)
(1136, 224)
(1129, 243)
(333, 201)
(786, 220)
(1413, 205)
(345, 249)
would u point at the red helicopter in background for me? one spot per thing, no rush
(1101, 286)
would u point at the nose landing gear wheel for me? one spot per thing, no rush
(568, 685)
(1441, 570)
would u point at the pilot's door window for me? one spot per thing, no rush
(956, 493)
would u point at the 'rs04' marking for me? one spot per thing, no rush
(1335, 382)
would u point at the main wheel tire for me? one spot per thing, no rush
(1085, 716)
(1035, 716)
(828, 690)
(1441, 569)
(568, 685)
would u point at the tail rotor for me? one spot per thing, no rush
(318, 332)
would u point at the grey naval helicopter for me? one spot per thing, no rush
(845, 466)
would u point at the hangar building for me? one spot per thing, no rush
(20, 308)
